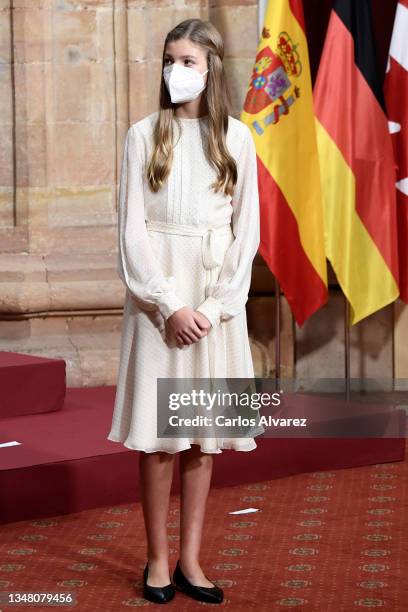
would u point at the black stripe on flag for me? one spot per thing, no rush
(356, 16)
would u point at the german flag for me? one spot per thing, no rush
(279, 111)
(356, 162)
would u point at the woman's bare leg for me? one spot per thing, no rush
(195, 479)
(156, 474)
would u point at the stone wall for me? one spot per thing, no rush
(74, 74)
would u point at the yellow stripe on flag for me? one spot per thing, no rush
(363, 275)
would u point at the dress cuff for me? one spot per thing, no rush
(169, 304)
(211, 308)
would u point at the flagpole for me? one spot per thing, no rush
(347, 346)
(277, 334)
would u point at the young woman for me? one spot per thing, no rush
(188, 233)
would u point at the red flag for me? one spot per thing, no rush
(396, 98)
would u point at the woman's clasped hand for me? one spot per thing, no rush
(188, 325)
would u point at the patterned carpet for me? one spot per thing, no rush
(325, 541)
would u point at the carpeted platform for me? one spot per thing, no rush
(64, 463)
(30, 384)
(327, 540)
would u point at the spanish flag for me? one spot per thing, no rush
(356, 162)
(279, 111)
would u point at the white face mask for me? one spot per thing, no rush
(183, 83)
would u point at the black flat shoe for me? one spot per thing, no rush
(208, 594)
(159, 595)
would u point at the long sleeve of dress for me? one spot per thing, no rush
(229, 294)
(136, 264)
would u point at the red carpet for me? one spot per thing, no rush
(335, 541)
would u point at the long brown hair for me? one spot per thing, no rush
(218, 101)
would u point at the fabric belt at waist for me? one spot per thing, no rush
(208, 234)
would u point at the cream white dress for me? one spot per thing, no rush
(184, 245)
